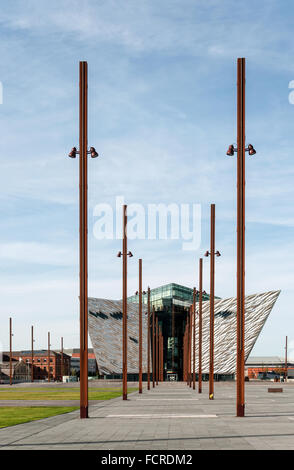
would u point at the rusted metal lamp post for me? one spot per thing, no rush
(156, 353)
(185, 354)
(153, 347)
(173, 337)
(83, 209)
(160, 356)
(190, 347)
(200, 327)
(194, 336)
(61, 368)
(10, 351)
(241, 149)
(161, 353)
(212, 255)
(140, 324)
(148, 339)
(286, 359)
(32, 340)
(124, 254)
(49, 356)
(187, 346)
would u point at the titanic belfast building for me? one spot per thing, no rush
(171, 304)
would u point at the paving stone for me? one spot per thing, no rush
(266, 426)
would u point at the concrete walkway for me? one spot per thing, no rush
(170, 417)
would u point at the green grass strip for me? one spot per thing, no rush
(12, 415)
(60, 393)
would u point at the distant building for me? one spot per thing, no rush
(171, 304)
(264, 367)
(20, 371)
(75, 361)
(40, 363)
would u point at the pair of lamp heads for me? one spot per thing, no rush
(207, 253)
(129, 253)
(73, 153)
(250, 149)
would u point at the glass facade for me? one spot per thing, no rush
(171, 304)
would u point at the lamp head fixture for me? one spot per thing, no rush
(93, 152)
(251, 150)
(231, 150)
(73, 152)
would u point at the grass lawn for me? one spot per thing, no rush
(58, 393)
(11, 415)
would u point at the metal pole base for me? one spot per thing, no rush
(140, 391)
(125, 396)
(84, 412)
(240, 411)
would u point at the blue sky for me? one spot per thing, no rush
(162, 112)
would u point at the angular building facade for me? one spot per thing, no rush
(171, 305)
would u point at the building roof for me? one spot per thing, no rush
(267, 360)
(71, 351)
(37, 352)
(168, 291)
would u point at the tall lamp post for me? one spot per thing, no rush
(194, 335)
(153, 347)
(190, 346)
(200, 327)
(241, 149)
(185, 354)
(286, 359)
(124, 254)
(140, 292)
(49, 356)
(140, 325)
(10, 351)
(148, 340)
(61, 368)
(156, 353)
(83, 209)
(161, 356)
(212, 255)
(32, 340)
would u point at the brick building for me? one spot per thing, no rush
(41, 363)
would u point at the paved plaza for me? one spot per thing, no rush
(170, 417)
